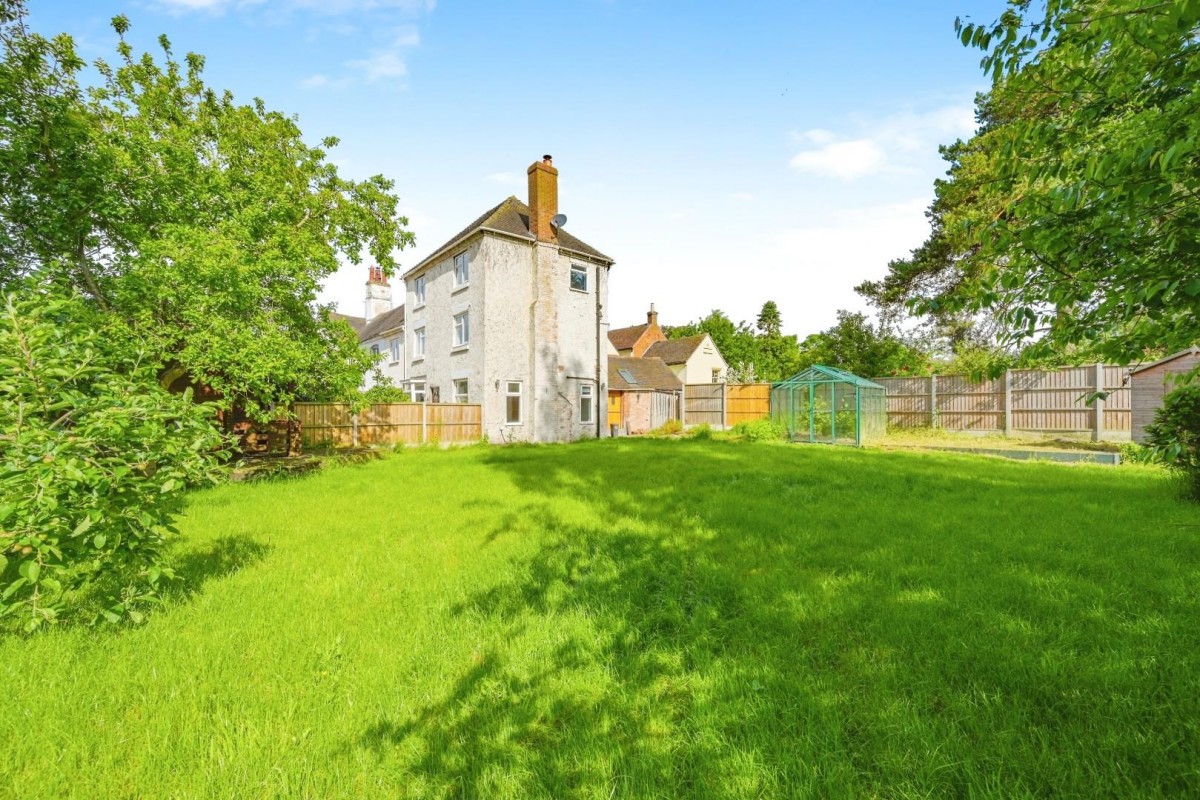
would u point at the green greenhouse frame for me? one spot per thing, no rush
(830, 405)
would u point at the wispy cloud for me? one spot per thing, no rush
(880, 146)
(323, 82)
(383, 64)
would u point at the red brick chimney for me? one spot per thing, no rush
(543, 199)
(652, 317)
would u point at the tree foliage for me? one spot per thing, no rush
(206, 227)
(865, 349)
(1097, 236)
(94, 459)
(765, 355)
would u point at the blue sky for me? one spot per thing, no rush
(724, 154)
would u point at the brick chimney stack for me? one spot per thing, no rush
(379, 294)
(543, 199)
(652, 317)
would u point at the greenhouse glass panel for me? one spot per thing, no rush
(826, 404)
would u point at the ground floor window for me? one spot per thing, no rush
(460, 390)
(586, 400)
(417, 391)
(512, 403)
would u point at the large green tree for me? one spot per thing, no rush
(765, 355)
(1096, 240)
(203, 227)
(857, 345)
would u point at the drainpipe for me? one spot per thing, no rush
(599, 356)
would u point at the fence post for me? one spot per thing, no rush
(933, 415)
(1007, 402)
(1098, 404)
(724, 405)
(354, 429)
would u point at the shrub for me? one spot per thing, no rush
(702, 431)
(760, 430)
(669, 428)
(94, 458)
(1174, 436)
(1134, 453)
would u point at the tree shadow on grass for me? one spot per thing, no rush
(760, 621)
(225, 556)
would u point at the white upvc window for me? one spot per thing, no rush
(419, 290)
(419, 343)
(375, 351)
(462, 329)
(586, 403)
(418, 391)
(512, 403)
(395, 346)
(460, 390)
(716, 373)
(579, 278)
(462, 269)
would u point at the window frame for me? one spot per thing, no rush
(464, 395)
(395, 348)
(519, 394)
(463, 317)
(590, 396)
(418, 291)
(419, 343)
(581, 270)
(418, 389)
(464, 277)
(716, 375)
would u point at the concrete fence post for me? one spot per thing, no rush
(354, 429)
(1008, 409)
(1098, 403)
(934, 422)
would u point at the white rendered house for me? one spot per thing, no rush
(511, 314)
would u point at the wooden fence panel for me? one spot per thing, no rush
(704, 403)
(334, 425)
(665, 406)
(1036, 400)
(747, 402)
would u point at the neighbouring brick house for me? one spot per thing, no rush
(636, 339)
(381, 331)
(693, 359)
(643, 393)
(510, 314)
(1149, 384)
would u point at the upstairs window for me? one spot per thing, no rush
(579, 278)
(394, 347)
(462, 329)
(375, 350)
(419, 290)
(716, 376)
(462, 269)
(419, 343)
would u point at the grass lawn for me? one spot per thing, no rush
(643, 619)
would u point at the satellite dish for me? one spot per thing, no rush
(558, 220)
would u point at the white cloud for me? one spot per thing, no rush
(380, 65)
(323, 82)
(886, 145)
(845, 160)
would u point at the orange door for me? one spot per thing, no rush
(614, 408)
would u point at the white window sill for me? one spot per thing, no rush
(418, 359)
(393, 363)
(460, 348)
(579, 291)
(418, 306)
(513, 424)
(459, 287)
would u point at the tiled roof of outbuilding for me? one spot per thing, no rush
(647, 373)
(626, 338)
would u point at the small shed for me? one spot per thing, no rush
(643, 394)
(826, 404)
(1151, 382)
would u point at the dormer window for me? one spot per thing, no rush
(462, 269)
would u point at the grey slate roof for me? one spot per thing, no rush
(675, 351)
(383, 323)
(510, 217)
(357, 323)
(647, 374)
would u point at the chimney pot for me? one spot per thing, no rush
(652, 316)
